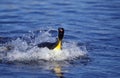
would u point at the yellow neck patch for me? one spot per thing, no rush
(58, 47)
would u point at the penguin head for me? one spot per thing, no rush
(60, 33)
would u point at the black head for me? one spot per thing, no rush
(60, 33)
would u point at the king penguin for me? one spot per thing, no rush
(56, 45)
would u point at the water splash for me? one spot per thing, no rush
(24, 51)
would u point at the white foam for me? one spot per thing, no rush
(22, 51)
(35, 53)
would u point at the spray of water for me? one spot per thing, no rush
(23, 51)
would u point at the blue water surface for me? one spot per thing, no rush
(92, 23)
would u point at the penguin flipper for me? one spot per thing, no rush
(46, 44)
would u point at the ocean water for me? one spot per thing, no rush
(91, 47)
